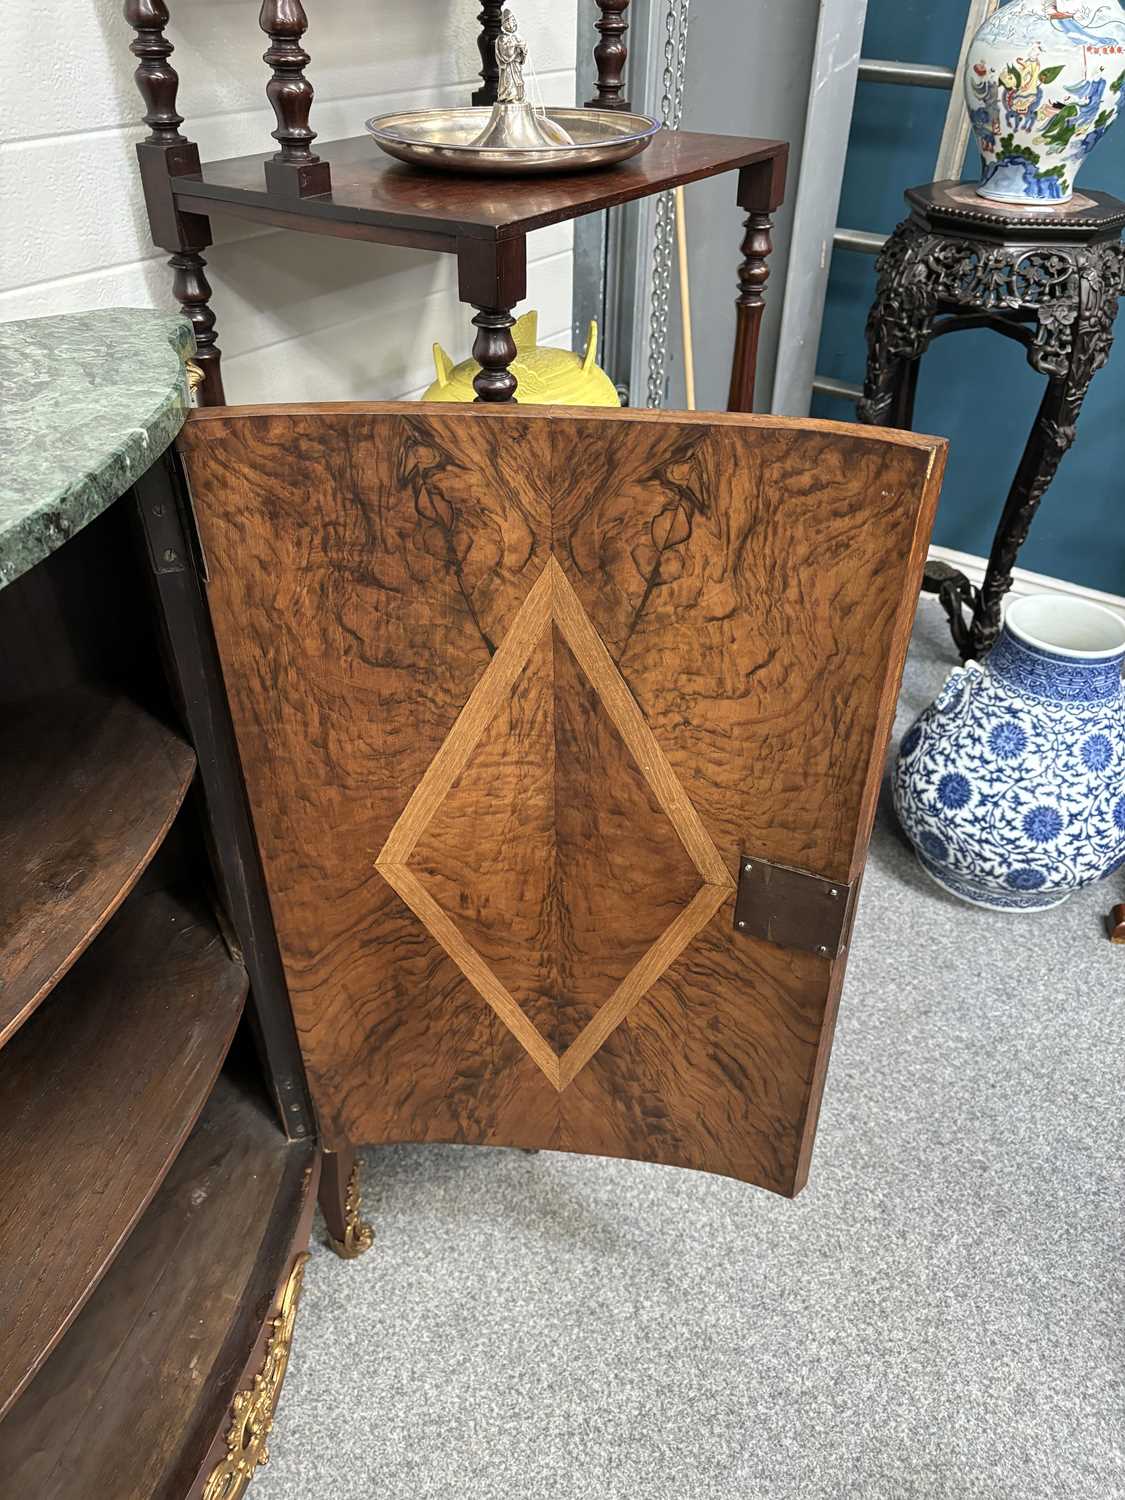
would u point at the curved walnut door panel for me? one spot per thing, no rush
(515, 692)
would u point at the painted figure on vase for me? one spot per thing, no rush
(1022, 92)
(1043, 84)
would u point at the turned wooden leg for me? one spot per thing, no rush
(192, 291)
(492, 277)
(753, 274)
(1115, 923)
(611, 55)
(489, 19)
(348, 1234)
(164, 155)
(296, 170)
(494, 349)
(761, 188)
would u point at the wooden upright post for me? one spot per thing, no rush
(163, 155)
(611, 55)
(761, 188)
(489, 19)
(296, 170)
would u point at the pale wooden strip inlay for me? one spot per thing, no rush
(640, 979)
(596, 662)
(483, 704)
(474, 968)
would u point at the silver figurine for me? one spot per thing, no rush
(514, 124)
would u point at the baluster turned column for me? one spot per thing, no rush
(165, 154)
(761, 188)
(611, 55)
(296, 171)
(489, 19)
(753, 274)
(492, 277)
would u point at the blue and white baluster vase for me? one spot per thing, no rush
(1011, 785)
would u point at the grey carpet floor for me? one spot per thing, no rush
(940, 1314)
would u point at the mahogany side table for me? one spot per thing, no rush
(1050, 279)
(350, 189)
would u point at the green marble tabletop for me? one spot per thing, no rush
(88, 402)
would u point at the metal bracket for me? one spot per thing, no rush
(170, 532)
(793, 908)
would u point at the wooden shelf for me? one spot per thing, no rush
(89, 785)
(376, 198)
(128, 1404)
(100, 1090)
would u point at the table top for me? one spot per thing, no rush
(957, 205)
(88, 402)
(370, 189)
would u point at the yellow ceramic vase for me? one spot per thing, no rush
(546, 377)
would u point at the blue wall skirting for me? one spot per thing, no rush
(976, 388)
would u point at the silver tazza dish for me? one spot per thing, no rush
(442, 139)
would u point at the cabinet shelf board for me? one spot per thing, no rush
(89, 785)
(129, 1402)
(100, 1089)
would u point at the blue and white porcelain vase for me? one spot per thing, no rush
(1011, 785)
(1043, 82)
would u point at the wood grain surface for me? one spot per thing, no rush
(89, 785)
(128, 1404)
(100, 1088)
(513, 691)
(370, 191)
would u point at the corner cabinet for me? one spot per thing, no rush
(158, 1163)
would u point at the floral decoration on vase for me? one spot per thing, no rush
(1043, 83)
(1011, 785)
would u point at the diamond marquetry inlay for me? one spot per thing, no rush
(547, 760)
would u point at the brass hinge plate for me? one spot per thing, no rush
(793, 908)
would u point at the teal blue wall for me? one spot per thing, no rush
(977, 389)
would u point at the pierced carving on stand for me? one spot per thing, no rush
(611, 55)
(494, 349)
(358, 1234)
(295, 170)
(899, 325)
(1059, 300)
(252, 1410)
(1075, 345)
(155, 76)
(192, 291)
(753, 274)
(489, 19)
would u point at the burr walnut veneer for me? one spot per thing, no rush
(518, 694)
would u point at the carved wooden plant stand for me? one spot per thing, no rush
(348, 188)
(1051, 281)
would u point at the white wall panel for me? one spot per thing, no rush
(300, 317)
(380, 351)
(358, 48)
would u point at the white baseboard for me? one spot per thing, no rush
(1024, 581)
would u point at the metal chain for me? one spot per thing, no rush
(671, 111)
